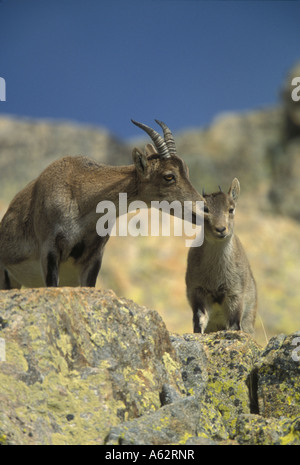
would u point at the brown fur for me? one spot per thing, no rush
(48, 234)
(220, 286)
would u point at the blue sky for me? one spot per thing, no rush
(103, 62)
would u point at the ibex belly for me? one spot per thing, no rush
(29, 273)
(68, 274)
(217, 317)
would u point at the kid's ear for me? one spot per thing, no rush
(141, 162)
(234, 190)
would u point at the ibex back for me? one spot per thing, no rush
(48, 235)
(220, 286)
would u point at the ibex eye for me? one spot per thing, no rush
(169, 177)
(231, 210)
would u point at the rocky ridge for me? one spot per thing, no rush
(82, 366)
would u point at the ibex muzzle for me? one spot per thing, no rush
(48, 235)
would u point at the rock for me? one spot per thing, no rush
(82, 366)
(257, 430)
(216, 370)
(185, 420)
(220, 366)
(79, 361)
(291, 104)
(29, 145)
(278, 377)
(235, 144)
(284, 156)
(285, 171)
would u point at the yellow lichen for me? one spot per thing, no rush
(3, 439)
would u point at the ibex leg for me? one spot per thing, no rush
(7, 281)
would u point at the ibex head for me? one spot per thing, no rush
(162, 174)
(219, 210)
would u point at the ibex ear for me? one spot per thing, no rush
(140, 161)
(234, 190)
(150, 150)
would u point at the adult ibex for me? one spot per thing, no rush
(220, 286)
(48, 234)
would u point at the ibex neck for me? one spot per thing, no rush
(218, 245)
(107, 182)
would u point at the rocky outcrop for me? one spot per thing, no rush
(77, 363)
(29, 145)
(284, 156)
(290, 99)
(82, 366)
(260, 147)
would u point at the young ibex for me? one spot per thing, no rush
(48, 235)
(220, 286)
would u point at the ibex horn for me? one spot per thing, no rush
(169, 139)
(159, 142)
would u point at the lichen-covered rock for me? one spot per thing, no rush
(187, 420)
(278, 377)
(190, 349)
(79, 361)
(82, 366)
(257, 430)
(219, 365)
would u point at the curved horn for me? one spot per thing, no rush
(169, 139)
(159, 142)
